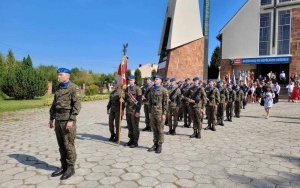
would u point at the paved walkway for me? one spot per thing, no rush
(249, 152)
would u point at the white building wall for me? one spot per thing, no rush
(240, 37)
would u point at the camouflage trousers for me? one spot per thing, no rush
(211, 112)
(220, 112)
(196, 115)
(147, 118)
(237, 107)
(133, 126)
(66, 140)
(172, 113)
(186, 117)
(114, 117)
(158, 128)
(229, 110)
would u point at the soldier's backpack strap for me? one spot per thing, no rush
(173, 93)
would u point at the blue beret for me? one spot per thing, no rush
(131, 77)
(173, 80)
(150, 78)
(187, 79)
(210, 80)
(63, 70)
(220, 81)
(180, 82)
(196, 78)
(158, 76)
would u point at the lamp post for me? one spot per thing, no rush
(219, 77)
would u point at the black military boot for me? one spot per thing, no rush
(153, 148)
(238, 115)
(222, 123)
(194, 134)
(230, 119)
(115, 139)
(207, 128)
(59, 171)
(129, 143)
(185, 125)
(170, 131)
(159, 148)
(198, 134)
(134, 144)
(174, 131)
(69, 172)
(213, 128)
(112, 136)
(189, 125)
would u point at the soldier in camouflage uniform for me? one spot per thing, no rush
(158, 103)
(180, 113)
(133, 100)
(145, 99)
(223, 101)
(238, 101)
(213, 100)
(196, 98)
(113, 109)
(65, 107)
(230, 104)
(185, 104)
(174, 104)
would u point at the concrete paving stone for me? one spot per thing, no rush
(106, 162)
(279, 168)
(165, 170)
(183, 167)
(234, 171)
(111, 180)
(198, 164)
(167, 163)
(88, 164)
(203, 179)
(278, 180)
(7, 166)
(184, 174)
(134, 169)
(227, 164)
(73, 181)
(131, 176)
(11, 184)
(295, 171)
(115, 172)
(267, 171)
(5, 177)
(120, 165)
(36, 179)
(152, 160)
(181, 161)
(295, 183)
(150, 173)
(138, 157)
(290, 176)
(240, 185)
(136, 162)
(48, 184)
(24, 175)
(167, 178)
(185, 183)
(152, 166)
(270, 161)
(224, 183)
(240, 179)
(251, 158)
(27, 186)
(94, 159)
(148, 181)
(289, 165)
(247, 168)
(263, 183)
(94, 176)
(123, 159)
(254, 175)
(124, 184)
(101, 168)
(89, 184)
(165, 185)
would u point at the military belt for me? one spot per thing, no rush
(63, 110)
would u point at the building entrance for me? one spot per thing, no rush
(264, 69)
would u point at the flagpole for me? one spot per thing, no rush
(120, 116)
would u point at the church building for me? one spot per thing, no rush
(263, 36)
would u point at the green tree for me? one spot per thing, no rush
(10, 58)
(50, 73)
(22, 81)
(153, 72)
(138, 77)
(213, 70)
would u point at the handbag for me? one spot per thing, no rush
(262, 102)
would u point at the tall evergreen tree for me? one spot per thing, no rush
(213, 70)
(153, 72)
(138, 77)
(10, 59)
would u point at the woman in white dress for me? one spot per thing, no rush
(268, 97)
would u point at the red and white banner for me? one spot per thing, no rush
(121, 74)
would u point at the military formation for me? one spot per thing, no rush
(166, 103)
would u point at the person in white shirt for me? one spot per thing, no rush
(282, 77)
(290, 88)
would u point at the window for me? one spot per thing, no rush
(281, 1)
(265, 2)
(264, 34)
(284, 32)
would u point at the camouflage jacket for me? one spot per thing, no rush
(114, 101)
(223, 95)
(145, 93)
(213, 96)
(239, 95)
(158, 101)
(133, 105)
(66, 104)
(184, 92)
(231, 96)
(174, 97)
(198, 95)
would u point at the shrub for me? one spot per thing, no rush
(92, 90)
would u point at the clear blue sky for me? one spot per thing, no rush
(91, 33)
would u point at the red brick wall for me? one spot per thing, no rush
(185, 61)
(295, 41)
(226, 68)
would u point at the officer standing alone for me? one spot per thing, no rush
(65, 107)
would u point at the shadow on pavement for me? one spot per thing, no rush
(104, 124)
(32, 161)
(288, 122)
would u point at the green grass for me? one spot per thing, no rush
(7, 105)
